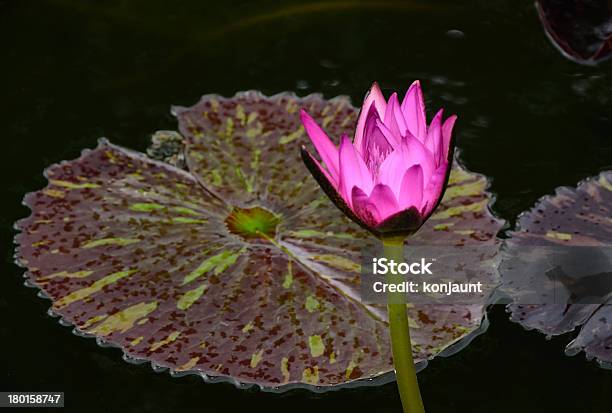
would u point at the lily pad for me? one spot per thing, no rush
(238, 267)
(580, 29)
(557, 267)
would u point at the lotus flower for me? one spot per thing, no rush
(391, 177)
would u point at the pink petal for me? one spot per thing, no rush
(447, 131)
(410, 152)
(325, 147)
(353, 171)
(384, 200)
(411, 190)
(364, 208)
(433, 141)
(393, 167)
(419, 154)
(375, 98)
(394, 140)
(375, 146)
(394, 118)
(331, 180)
(414, 111)
(433, 189)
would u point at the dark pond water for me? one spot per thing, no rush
(73, 71)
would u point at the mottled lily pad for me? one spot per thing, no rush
(557, 267)
(237, 267)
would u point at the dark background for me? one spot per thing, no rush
(72, 71)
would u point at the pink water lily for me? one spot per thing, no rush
(391, 177)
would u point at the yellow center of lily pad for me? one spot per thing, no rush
(251, 223)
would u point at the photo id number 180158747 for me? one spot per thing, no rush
(31, 399)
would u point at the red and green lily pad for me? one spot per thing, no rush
(557, 267)
(237, 267)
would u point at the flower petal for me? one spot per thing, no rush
(374, 98)
(320, 170)
(353, 171)
(364, 208)
(394, 118)
(384, 200)
(410, 152)
(419, 154)
(394, 140)
(325, 147)
(413, 109)
(411, 189)
(447, 132)
(327, 186)
(433, 189)
(375, 147)
(393, 167)
(433, 141)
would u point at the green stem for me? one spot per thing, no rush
(401, 346)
